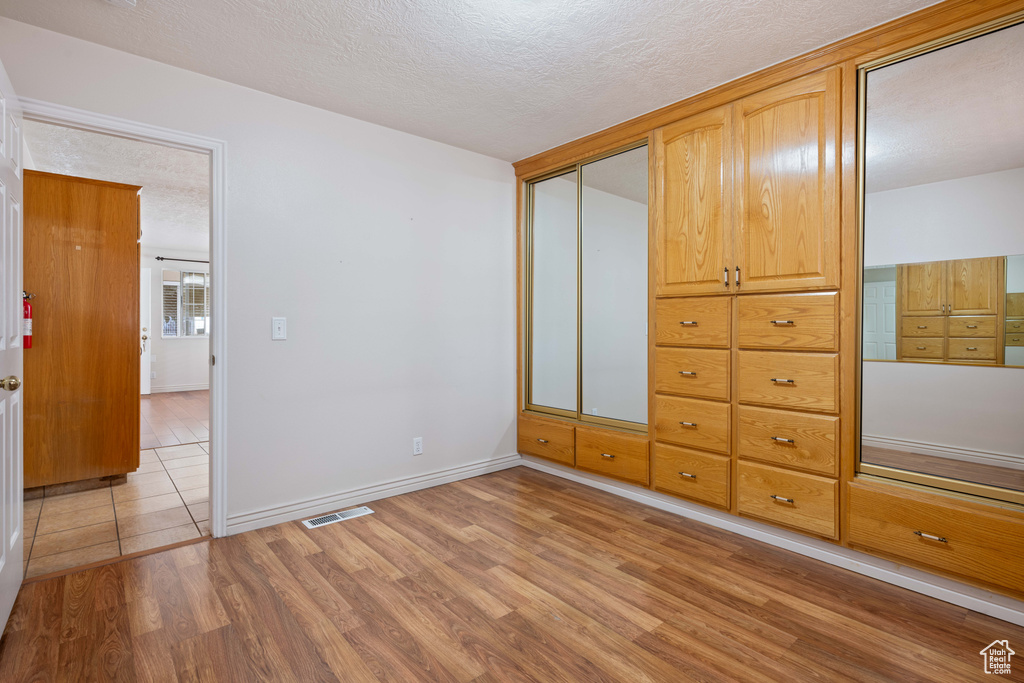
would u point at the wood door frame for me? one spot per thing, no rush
(70, 117)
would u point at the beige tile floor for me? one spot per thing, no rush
(165, 501)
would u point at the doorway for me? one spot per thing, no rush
(167, 499)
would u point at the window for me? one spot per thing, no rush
(186, 304)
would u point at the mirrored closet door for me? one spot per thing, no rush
(943, 279)
(587, 279)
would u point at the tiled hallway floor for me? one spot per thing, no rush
(175, 418)
(165, 501)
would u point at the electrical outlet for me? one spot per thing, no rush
(152, 375)
(417, 446)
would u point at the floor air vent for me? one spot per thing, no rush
(337, 517)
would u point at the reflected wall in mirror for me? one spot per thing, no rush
(587, 284)
(943, 279)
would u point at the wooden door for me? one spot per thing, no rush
(974, 286)
(12, 568)
(693, 226)
(82, 263)
(787, 185)
(922, 288)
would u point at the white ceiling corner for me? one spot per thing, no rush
(175, 206)
(505, 78)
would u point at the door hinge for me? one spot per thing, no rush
(213, 360)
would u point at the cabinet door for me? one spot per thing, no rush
(693, 219)
(787, 185)
(974, 286)
(922, 288)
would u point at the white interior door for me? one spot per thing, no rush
(880, 320)
(11, 472)
(146, 328)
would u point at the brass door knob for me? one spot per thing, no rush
(10, 383)
(144, 337)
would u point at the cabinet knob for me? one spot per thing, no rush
(687, 373)
(687, 475)
(542, 440)
(920, 348)
(688, 424)
(781, 499)
(783, 381)
(972, 348)
(922, 327)
(931, 537)
(782, 439)
(608, 455)
(687, 322)
(782, 322)
(972, 327)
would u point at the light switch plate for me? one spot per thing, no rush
(279, 329)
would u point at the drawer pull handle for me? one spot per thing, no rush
(931, 537)
(687, 322)
(688, 424)
(784, 440)
(542, 440)
(608, 455)
(783, 381)
(972, 348)
(781, 499)
(687, 373)
(727, 277)
(782, 322)
(921, 348)
(687, 475)
(1016, 339)
(922, 327)
(972, 327)
(737, 276)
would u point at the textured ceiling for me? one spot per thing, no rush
(175, 183)
(506, 78)
(947, 114)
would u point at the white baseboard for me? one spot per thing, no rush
(950, 452)
(179, 387)
(257, 519)
(977, 599)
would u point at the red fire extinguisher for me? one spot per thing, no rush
(26, 324)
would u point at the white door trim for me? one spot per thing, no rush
(71, 117)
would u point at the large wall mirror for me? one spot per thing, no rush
(942, 383)
(586, 286)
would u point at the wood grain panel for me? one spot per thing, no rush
(693, 321)
(789, 321)
(798, 440)
(926, 348)
(1014, 325)
(693, 231)
(972, 326)
(922, 288)
(975, 286)
(971, 349)
(707, 422)
(692, 474)
(613, 454)
(807, 381)
(787, 185)
(546, 439)
(82, 372)
(984, 545)
(801, 501)
(923, 326)
(701, 373)
(1014, 305)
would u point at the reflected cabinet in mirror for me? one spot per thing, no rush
(942, 391)
(586, 285)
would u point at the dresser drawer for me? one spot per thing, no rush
(551, 440)
(801, 501)
(703, 373)
(1015, 326)
(972, 326)
(799, 440)
(808, 381)
(979, 544)
(789, 321)
(693, 321)
(1015, 339)
(928, 348)
(923, 327)
(972, 349)
(613, 454)
(692, 422)
(692, 474)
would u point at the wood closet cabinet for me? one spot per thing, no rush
(748, 193)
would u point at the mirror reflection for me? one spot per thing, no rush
(943, 279)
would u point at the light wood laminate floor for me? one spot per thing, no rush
(990, 475)
(165, 501)
(512, 576)
(175, 418)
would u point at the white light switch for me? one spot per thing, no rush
(279, 328)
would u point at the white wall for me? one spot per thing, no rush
(392, 257)
(971, 408)
(182, 363)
